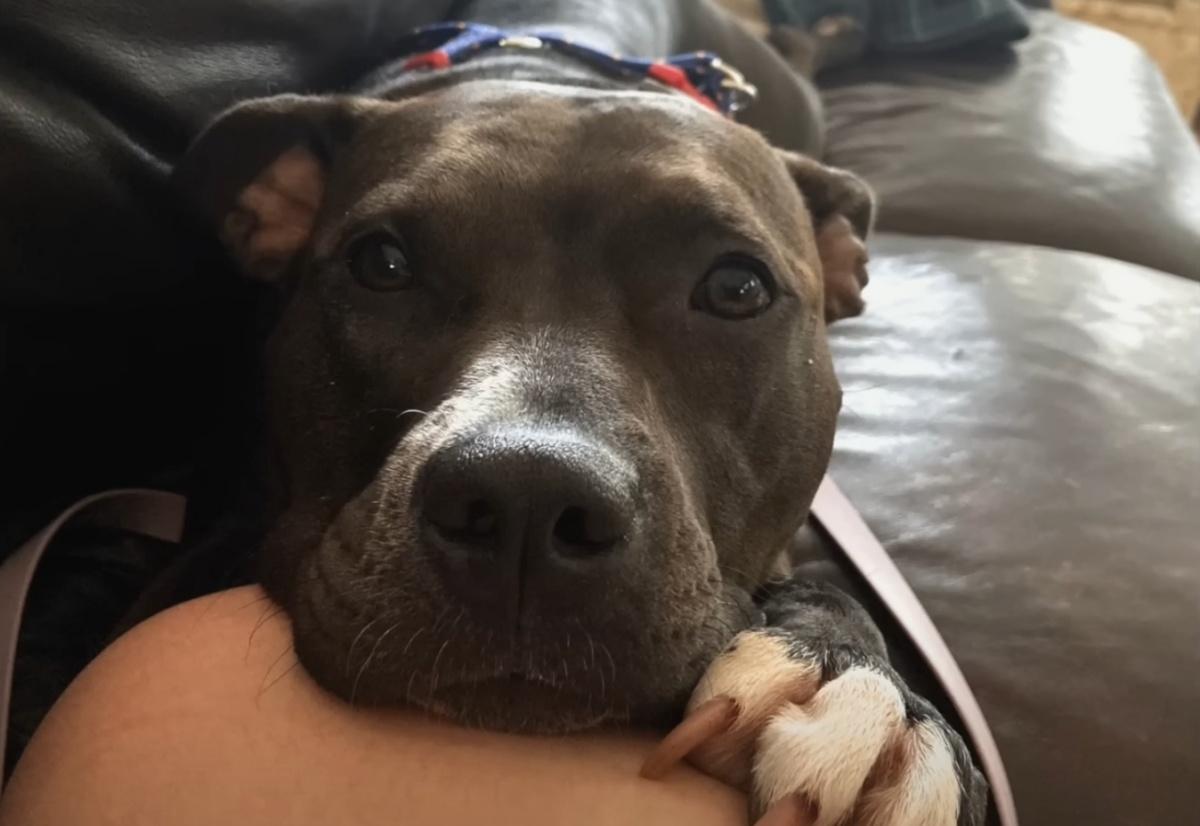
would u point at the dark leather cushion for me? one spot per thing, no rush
(118, 318)
(98, 98)
(1020, 427)
(1071, 140)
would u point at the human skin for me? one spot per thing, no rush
(200, 716)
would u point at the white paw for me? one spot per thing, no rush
(811, 750)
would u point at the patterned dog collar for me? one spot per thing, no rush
(702, 76)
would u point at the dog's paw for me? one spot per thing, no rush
(826, 737)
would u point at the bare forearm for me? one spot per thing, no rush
(199, 717)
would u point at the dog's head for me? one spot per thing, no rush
(550, 389)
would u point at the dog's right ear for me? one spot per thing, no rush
(842, 208)
(257, 175)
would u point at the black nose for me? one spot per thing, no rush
(510, 501)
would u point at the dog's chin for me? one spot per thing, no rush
(526, 698)
(520, 705)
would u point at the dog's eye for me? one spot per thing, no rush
(734, 289)
(378, 263)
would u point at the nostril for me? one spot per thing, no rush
(481, 518)
(579, 531)
(469, 521)
(571, 527)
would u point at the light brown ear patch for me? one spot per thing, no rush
(844, 258)
(274, 215)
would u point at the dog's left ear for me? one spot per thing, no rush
(843, 211)
(257, 175)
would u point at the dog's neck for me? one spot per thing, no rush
(644, 29)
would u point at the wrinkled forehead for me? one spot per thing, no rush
(497, 148)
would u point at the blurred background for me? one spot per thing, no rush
(1168, 29)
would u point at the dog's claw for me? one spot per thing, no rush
(710, 720)
(792, 810)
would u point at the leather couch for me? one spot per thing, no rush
(1021, 423)
(1022, 411)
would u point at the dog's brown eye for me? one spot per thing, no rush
(734, 290)
(378, 263)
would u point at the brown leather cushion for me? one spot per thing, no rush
(1020, 426)
(1071, 141)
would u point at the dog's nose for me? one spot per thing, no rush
(506, 500)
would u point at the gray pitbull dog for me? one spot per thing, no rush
(550, 392)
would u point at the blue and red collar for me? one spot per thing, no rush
(702, 76)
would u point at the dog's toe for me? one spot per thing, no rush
(824, 750)
(759, 673)
(852, 751)
(918, 785)
(811, 748)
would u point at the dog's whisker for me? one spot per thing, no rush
(723, 598)
(369, 659)
(256, 601)
(357, 639)
(289, 649)
(437, 623)
(462, 612)
(280, 678)
(864, 388)
(399, 414)
(587, 635)
(742, 572)
(411, 640)
(408, 688)
(271, 612)
(715, 622)
(436, 674)
(611, 662)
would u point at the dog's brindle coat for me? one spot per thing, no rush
(550, 392)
